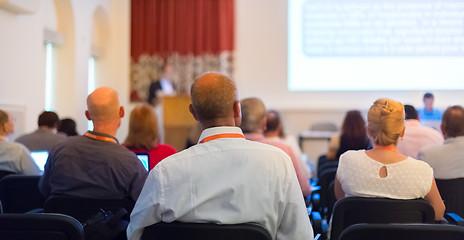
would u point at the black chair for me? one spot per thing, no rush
(353, 210)
(40, 227)
(452, 193)
(205, 231)
(366, 231)
(322, 203)
(20, 193)
(84, 208)
(4, 173)
(324, 163)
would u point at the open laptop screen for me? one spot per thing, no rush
(143, 157)
(40, 158)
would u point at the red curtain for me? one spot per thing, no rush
(164, 27)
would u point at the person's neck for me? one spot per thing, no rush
(106, 130)
(392, 148)
(46, 128)
(218, 123)
(3, 138)
(272, 134)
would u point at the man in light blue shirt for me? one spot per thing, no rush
(428, 113)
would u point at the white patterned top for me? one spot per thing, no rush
(407, 179)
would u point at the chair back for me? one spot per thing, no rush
(327, 177)
(353, 210)
(366, 231)
(4, 173)
(452, 193)
(83, 208)
(40, 227)
(205, 231)
(20, 193)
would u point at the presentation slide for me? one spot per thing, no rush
(381, 45)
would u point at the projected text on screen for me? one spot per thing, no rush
(376, 45)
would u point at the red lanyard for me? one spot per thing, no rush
(222, 135)
(101, 138)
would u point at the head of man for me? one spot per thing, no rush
(253, 116)
(48, 119)
(452, 122)
(273, 124)
(104, 111)
(6, 123)
(410, 112)
(428, 101)
(214, 101)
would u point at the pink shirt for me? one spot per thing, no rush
(417, 136)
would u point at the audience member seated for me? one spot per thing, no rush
(382, 171)
(45, 137)
(95, 165)
(224, 178)
(353, 136)
(275, 132)
(143, 135)
(254, 125)
(429, 115)
(417, 136)
(447, 160)
(14, 157)
(67, 127)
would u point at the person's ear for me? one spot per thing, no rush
(192, 111)
(237, 113)
(402, 132)
(121, 112)
(87, 115)
(443, 130)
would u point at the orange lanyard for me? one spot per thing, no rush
(101, 138)
(222, 135)
(390, 148)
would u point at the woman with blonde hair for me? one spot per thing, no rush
(143, 135)
(382, 171)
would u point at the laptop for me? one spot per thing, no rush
(40, 158)
(144, 158)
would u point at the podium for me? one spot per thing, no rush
(177, 120)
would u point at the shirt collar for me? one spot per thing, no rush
(218, 130)
(454, 139)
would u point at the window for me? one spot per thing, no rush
(49, 78)
(91, 84)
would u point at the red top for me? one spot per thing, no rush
(157, 154)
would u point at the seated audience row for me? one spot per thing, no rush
(235, 173)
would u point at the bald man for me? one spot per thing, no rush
(225, 178)
(95, 165)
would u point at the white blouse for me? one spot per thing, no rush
(407, 179)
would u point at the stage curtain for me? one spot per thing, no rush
(191, 36)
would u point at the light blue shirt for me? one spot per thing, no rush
(435, 115)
